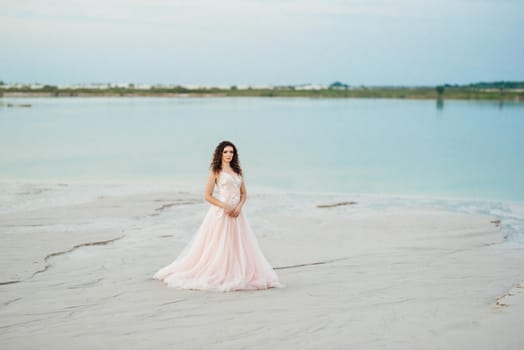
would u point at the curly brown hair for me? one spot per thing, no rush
(216, 163)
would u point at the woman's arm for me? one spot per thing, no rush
(208, 196)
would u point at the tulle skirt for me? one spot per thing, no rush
(223, 255)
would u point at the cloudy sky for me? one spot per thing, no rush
(223, 42)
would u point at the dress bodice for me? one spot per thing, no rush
(228, 187)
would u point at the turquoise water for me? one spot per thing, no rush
(461, 149)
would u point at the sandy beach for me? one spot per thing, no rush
(359, 275)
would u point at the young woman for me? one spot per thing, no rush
(224, 254)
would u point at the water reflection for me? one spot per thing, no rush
(440, 104)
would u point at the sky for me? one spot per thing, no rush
(259, 42)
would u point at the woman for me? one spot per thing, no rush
(224, 254)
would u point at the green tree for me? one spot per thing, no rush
(338, 85)
(50, 88)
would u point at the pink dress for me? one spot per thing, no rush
(224, 254)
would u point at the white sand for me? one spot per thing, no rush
(411, 278)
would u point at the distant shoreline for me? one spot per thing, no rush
(417, 93)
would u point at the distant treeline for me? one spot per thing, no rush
(498, 85)
(477, 91)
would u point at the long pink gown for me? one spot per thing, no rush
(224, 254)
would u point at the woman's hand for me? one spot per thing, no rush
(236, 211)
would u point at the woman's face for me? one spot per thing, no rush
(227, 154)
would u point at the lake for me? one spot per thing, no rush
(458, 149)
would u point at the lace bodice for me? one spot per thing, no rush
(228, 187)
